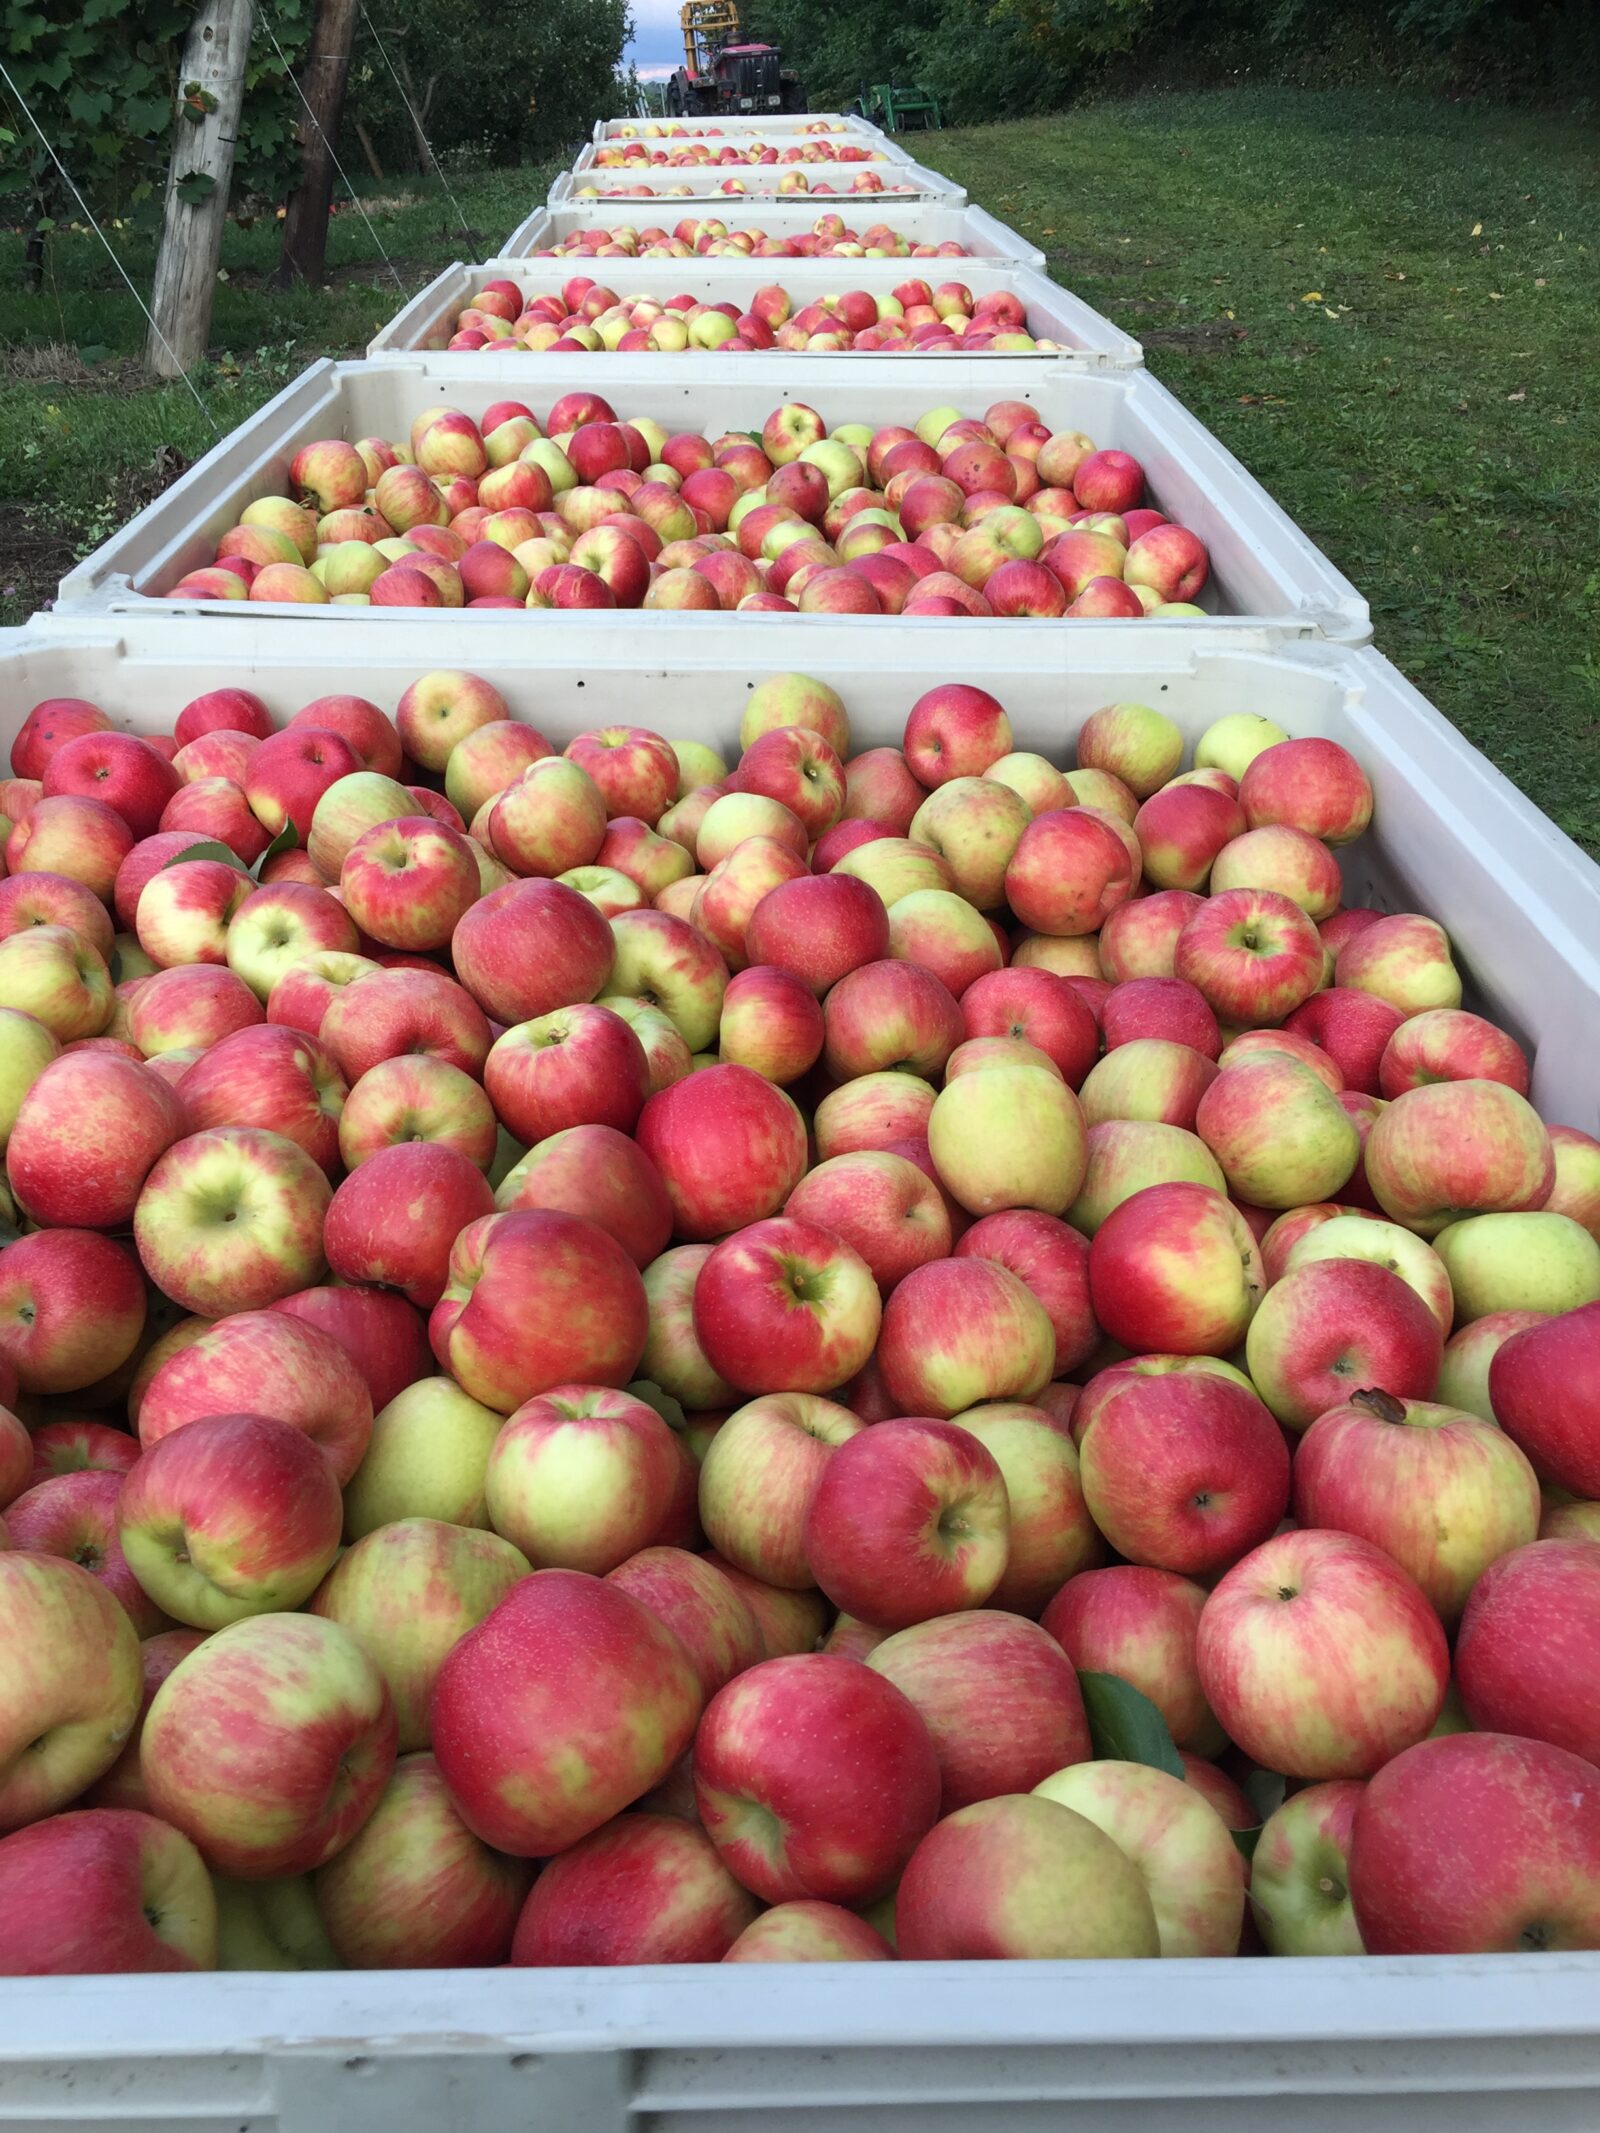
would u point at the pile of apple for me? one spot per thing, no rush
(612, 1359)
(794, 180)
(585, 316)
(675, 130)
(710, 237)
(698, 155)
(954, 517)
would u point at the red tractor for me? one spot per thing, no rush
(721, 77)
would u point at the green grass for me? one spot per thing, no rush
(1386, 306)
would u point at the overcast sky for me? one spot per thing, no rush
(657, 45)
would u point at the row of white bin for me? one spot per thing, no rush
(1440, 2045)
(827, 183)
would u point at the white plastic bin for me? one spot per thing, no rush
(1263, 567)
(919, 221)
(427, 322)
(1451, 837)
(763, 180)
(734, 125)
(881, 151)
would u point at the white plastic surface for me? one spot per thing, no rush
(763, 179)
(1505, 2044)
(919, 221)
(428, 321)
(1263, 567)
(1451, 836)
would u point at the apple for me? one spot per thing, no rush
(955, 731)
(59, 978)
(648, 1888)
(263, 1361)
(771, 1023)
(1140, 1624)
(599, 1174)
(70, 1715)
(1300, 1873)
(1478, 1844)
(1519, 1262)
(120, 770)
(1252, 954)
(1009, 1136)
(808, 1931)
(230, 1219)
(351, 806)
(1358, 1235)
(1454, 1148)
(1022, 1877)
(785, 1305)
(581, 1065)
(1149, 1080)
(581, 1478)
(1070, 870)
(105, 1890)
(394, 1220)
(563, 1707)
(416, 1099)
(1184, 830)
(961, 1331)
(426, 1458)
(1321, 1657)
(699, 1603)
(548, 820)
(276, 926)
(758, 1478)
(814, 1777)
(1469, 1356)
(408, 884)
(1525, 1657)
(729, 1146)
(1543, 1384)
(1184, 1472)
(1333, 1326)
(391, 1014)
(881, 787)
(72, 1309)
(1174, 1837)
(85, 1137)
(880, 1205)
(1173, 1269)
(662, 961)
(1404, 960)
(84, 840)
(1278, 1133)
(673, 1357)
(48, 727)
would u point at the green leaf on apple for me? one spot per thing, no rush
(1246, 1840)
(1265, 1790)
(1125, 1725)
(287, 840)
(647, 1390)
(209, 848)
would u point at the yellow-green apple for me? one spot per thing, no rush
(664, 962)
(1034, 778)
(1333, 1326)
(59, 978)
(72, 1309)
(1182, 830)
(537, 1299)
(786, 1305)
(1386, 1244)
(908, 1521)
(1174, 1838)
(1125, 1157)
(1519, 1262)
(650, 860)
(231, 1219)
(772, 1023)
(896, 867)
(839, 1764)
(1253, 954)
(1404, 960)
(303, 995)
(1313, 785)
(1051, 1536)
(530, 947)
(634, 769)
(86, 1135)
(891, 1013)
(311, 1733)
(185, 911)
(1184, 1472)
(413, 1098)
(264, 1362)
(72, 1692)
(581, 1478)
(998, 1696)
(120, 770)
(977, 1054)
(961, 1331)
(409, 1592)
(427, 1456)
(581, 1065)
(1544, 1383)
(404, 1013)
(879, 1204)
(234, 1515)
(698, 765)
(548, 820)
(1285, 860)
(974, 823)
(489, 758)
(1526, 1655)
(757, 1480)
(1069, 871)
(26, 1049)
(874, 1111)
(1233, 743)
(649, 1888)
(1008, 1137)
(1469, 1355)
(1150, 1080)
(600, 1174)
(1022, 1877)
(942, 932)
(279, 1080)
(415, 1888)
(1455, 1148)
(701, 1606)
(1478, 1844)
(727, 897)
(673, 1357)
(394, 1220)
(1321, 1657)
(1300, 1873)
(82, 839)
(1277, 1131)
(1173, 1269)
(607, 889)
(74, 1516)
(561, 1709)
(1140, 1624)
(734, 817)
(730, 1146)
(349, 808)
(106, 1890)
(1444, 1493)
(275, 927)
(808, 1931)
(954, 731)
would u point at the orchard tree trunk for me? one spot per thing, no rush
(210, 96)
(322, 83)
